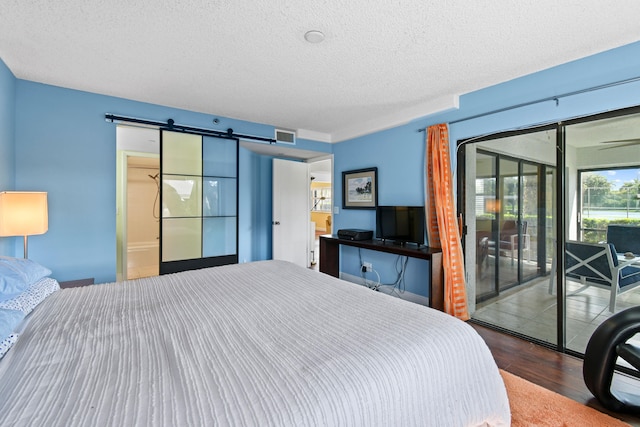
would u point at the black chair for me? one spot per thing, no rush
(605, 345)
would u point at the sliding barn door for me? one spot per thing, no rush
(199, 194)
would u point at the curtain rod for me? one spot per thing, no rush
(170, 125)
(555, 98)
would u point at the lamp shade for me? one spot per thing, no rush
(23, 213)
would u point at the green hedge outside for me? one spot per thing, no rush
(595, 229)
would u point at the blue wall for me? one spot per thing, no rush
(256, 173)
(64, 146)
(7, 134)
(399, 153)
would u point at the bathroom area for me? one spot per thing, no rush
(143, 217)
(138, 202)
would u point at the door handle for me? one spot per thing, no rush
(276, 222)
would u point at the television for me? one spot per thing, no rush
(400, 224)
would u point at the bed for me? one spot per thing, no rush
(257, 344)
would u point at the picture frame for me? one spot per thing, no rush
(360, 189)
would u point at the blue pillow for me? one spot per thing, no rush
(16, 274)
(9, 320)
(12, 282)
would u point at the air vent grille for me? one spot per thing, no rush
(285, 136)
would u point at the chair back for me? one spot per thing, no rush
(626, 238)
(592, 261)
(508, 229)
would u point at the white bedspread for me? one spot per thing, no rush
(258, 344)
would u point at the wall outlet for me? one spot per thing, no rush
(367, 266)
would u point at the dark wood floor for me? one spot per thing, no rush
(552, 370)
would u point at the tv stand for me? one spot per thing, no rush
(330, 261)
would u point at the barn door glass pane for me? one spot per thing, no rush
(220, 206)
(199, 201)
(181, 196)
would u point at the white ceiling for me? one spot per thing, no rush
(383, 63)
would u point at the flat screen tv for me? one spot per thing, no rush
(400, 224)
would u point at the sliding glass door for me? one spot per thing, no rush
(506, 222)
(508, 206)
(511, 234)
(603, 205)
(555, 193)
(486, 218)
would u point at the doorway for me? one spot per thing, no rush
(509, 207)
(321, 172)
(584, 179)
(301, 208)
(137, 202)
(143, 216)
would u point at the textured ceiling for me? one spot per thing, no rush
(382, 63)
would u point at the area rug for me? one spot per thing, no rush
(535, 406)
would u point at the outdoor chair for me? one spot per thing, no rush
(597, 264)
(626, 238)
(508, 240)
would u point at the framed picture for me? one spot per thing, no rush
(360, 189)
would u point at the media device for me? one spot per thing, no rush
(400, 224)
(355, 234)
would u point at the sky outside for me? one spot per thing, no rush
(619, 176)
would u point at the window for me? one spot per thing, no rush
(608, 196)
(321, 199)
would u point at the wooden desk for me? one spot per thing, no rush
(330, 261)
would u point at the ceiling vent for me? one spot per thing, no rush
(285, 136)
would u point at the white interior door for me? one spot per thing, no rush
(291, 218)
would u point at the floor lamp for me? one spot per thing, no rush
(23, 213)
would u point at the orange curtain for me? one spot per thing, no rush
(442, 224)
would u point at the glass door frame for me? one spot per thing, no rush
(499, 211)
(560, 210)
(520, 214)
(562, 223)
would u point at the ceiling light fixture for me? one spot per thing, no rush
(314, 36)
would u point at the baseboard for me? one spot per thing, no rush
(407, 296)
